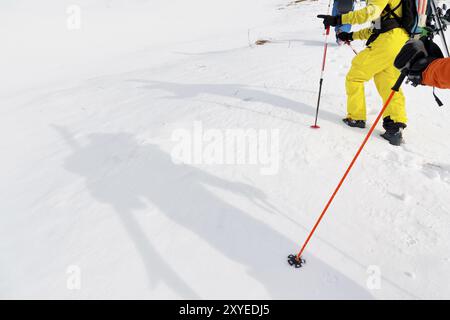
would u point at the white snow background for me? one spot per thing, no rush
(87, 182)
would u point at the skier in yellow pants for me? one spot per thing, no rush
(385, 39)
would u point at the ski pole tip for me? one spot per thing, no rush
(315, 126)
(295, 261)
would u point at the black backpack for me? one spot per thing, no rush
(410, 16)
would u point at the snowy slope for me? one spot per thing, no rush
(88, 182)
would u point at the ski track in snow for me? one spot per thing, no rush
(88, 180)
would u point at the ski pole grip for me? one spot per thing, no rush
(399, 82)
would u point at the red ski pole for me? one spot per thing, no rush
(351, 47)
(296, 260)
(325, 49)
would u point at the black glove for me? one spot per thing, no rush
(330, 20)
(413, 59)
(416, 70)
(345, 36)
(412, 51)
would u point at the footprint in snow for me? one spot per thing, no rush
(404, 160)
(390, 156)
(400, 196)
(437, 171)
(411, 275)
(411, 241)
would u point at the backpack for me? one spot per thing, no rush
(415, 15)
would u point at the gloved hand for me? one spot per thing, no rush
(330, 20)
(411, 52)
(413, 59)
(345, 36)
(416, 70)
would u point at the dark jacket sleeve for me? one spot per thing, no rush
(437, 74)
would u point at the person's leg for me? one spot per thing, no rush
(389, 44)
(335, 12)
(345, 28)
(378, 59)
(396, 110)
(364, 67)
(338, 9)
(394, 118)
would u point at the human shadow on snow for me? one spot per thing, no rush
(236, 91)
(121, 172)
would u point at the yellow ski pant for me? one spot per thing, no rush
(377, 62)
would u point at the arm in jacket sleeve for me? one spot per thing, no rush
(363, 34)
(437, 74)
(369, 13)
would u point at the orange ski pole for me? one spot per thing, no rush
(296, 260)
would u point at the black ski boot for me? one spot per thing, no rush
(355, 123)
(394, 138)
(394, 131)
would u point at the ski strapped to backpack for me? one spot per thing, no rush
(419, 18)
(440, 24)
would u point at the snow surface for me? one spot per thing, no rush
(87, 179)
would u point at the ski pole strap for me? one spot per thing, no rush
(438, 101)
